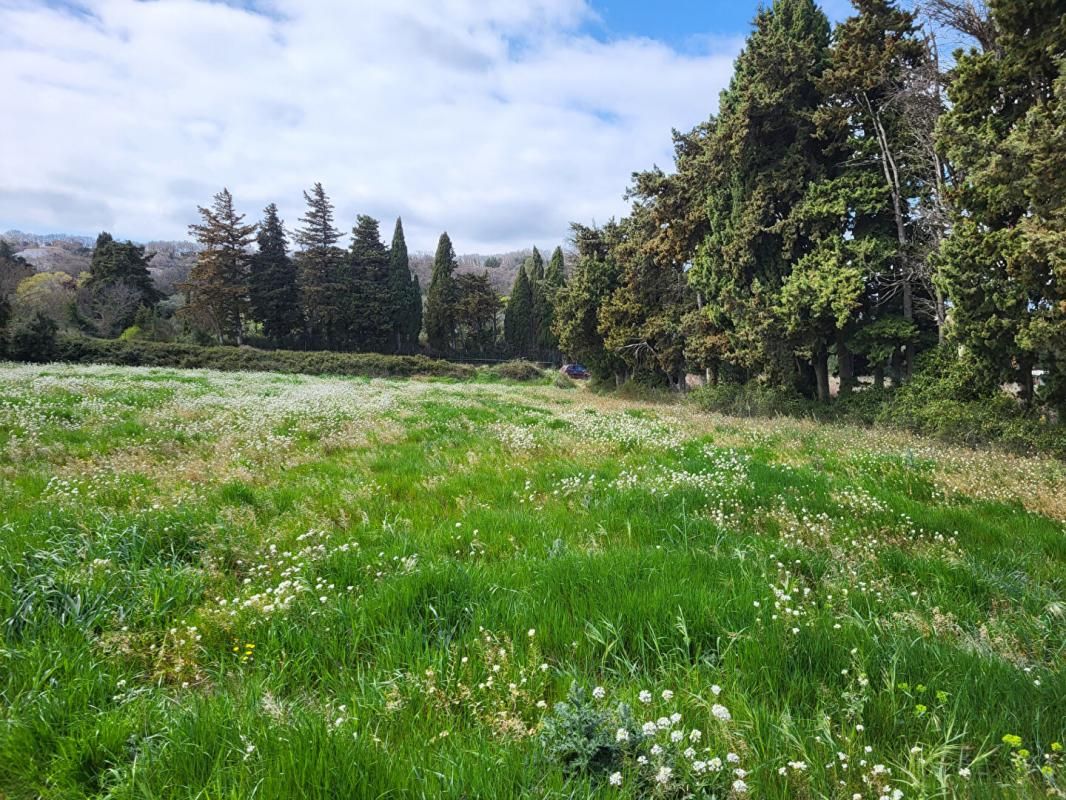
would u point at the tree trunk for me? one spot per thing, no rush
(845, 365)
(821, 372)
(941, 317)
(896, 366)
(1028, 389)
(879, 376)
(908, 314)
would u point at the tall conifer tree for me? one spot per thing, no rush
(1003, 137)
(440, 299)
(405, 295)
(217, 290)
(320, 268)
(371, 306)
(275, 293)
(765, 151)
(518, 322)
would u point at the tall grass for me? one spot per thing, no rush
(231, 586)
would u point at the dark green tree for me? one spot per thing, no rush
(124, 263)
(641, 320)
(875, 176)
(440, 299)
(275, 294)
(320, 272)
(405, 295)
(1003, 262)
(540, 309)
(217, 295)
(371, 306)
(554, 280)
(593, 280)
(477, 307)
(519, 331)
(764, 152)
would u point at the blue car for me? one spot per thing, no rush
(576, 371)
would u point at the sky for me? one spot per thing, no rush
(500, 121)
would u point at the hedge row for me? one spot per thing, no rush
(84, 350)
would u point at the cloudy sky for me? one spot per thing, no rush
(496, 120)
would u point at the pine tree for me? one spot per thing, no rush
(371, 306)
(640, 321)
(412, 317)
(476, 308)
(320, 271)
(217, 290)
(518, 323)
(440, 299)
(275, 295)
(875, 179)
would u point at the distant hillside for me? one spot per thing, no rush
(501, 277)
(61, 252)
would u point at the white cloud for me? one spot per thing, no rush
(498, 121)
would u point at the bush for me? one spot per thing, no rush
(518, 370)
(563, 381)
(83, 350)
(752, 399)
(35, 339)
(949, 397)
(954, 399)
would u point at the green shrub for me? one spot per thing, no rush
(563, 381)
(35, 340)
(83, 350)
(131, 333)
(751, 399)
(518, 370)
(955, 399)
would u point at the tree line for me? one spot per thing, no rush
(255, 282)
(853, 203)
(856, 202)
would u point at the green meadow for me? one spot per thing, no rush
(225, 585)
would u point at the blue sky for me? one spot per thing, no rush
(685, 24)
(500, 121)
(678, 22)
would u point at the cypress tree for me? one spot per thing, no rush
(217, 289)
(554, 280)
(440, 299)
(1003, 138)
(763, 154)
(405, 295)
(275, 294)
(320, 267)
(538, 304)
(371, 306)
(518, 330)
(412, 317)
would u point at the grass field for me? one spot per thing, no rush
(251, 585)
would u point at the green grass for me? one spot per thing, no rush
(233, 585)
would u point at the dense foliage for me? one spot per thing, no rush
(850, 206)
